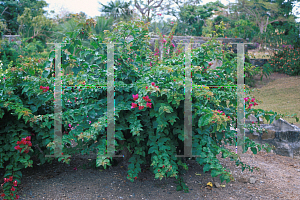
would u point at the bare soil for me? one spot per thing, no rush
(278, 178)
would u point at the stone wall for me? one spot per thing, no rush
(198, 41)
(284, 136)
(258, 62)
(16, 38)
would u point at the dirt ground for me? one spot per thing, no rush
(278, 178)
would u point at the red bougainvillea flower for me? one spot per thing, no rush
(135, 97)
(156, 86)
(17, 196)
(146, 98)
(246, 99)
(141, 107)
(146, 87)
(172, 22)
(159, 14)
(209, 63)
(228, 117)
(173, 45)
(5, 180)
(18, 148)
(253, 99)
(152, 83)
(28, 138)
(255, 104)
(15, 183)
(148, 105)
(3, 195)
(12, 189)
(164, 41)
(133, 105)
(10, 178)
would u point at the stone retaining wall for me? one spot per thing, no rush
(284, 136)
(258, 62)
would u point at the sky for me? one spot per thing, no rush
(91, 7)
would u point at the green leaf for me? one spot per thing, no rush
(204, 120)
(8, 173)
(206, 168)
(153, 149)
(76, 70)
(18, 174)
(31, 71)
(52, 55)
(215, 173)
(47, 64)
(8, 167)
(254, 150)
(45, 73)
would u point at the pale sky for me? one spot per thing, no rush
(91, 7)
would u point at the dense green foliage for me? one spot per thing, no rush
(148, 106)
(286, 60)
(11, 9)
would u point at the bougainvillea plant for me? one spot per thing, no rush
(149, 107)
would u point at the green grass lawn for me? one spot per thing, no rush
(281, 96)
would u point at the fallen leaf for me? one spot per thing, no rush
(209, 184)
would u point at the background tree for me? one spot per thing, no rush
(103, 24)
(264, 13)
(37, 27)
(11, 9)
(192, 18)
(145, 8)
(118, 10)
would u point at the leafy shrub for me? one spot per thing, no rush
(286, 61)
(9, 51)
(148, 107)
